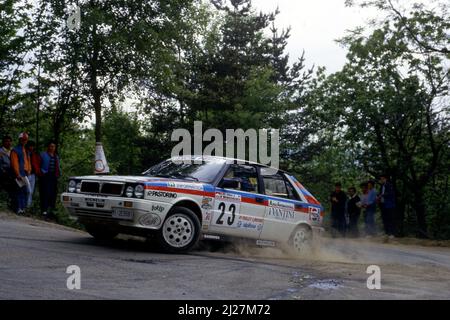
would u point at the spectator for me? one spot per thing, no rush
(354, 211)
(387, 205)
(50, 171)
(6, 174)
(338, 201)
(369, 203)
(21, 167)
(35, 169)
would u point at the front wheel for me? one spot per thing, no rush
(180, 231)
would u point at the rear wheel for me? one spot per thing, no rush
(180, 231)
(101, 233)
(300, 243)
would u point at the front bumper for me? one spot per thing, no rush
(127, 212)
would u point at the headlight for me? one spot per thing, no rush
(72, 185)
(129, 192)
(78, 187)
(139, 191)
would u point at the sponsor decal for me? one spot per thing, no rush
(267, 243)
(229, 197)
(249, 225)
(210, 236)
(314, 214)
(281, 214)
(248, 222)
(157, 208)
(208, 216)
(281, 204)
(206, 203)
(184, 185)
(161, 194)
(150, 219)
(251, 219)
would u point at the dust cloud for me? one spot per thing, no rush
(358, 251)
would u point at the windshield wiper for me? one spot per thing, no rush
(175, 176)
(185, 176)
(161, 175)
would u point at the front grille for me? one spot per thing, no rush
(112, 189)
(105, 188)
(90, 187)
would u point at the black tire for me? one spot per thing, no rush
(180, 231)
(301, 241)
(101, 233)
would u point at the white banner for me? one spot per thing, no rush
(101, 166)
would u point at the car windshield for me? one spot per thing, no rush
(205, 171)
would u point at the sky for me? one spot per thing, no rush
(315, 24)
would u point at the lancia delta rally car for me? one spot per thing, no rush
(180, 202)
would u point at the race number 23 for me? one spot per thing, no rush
(225, 213)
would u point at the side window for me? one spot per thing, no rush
(291, 191)
(245, 175)
(277, 186)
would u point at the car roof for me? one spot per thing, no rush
(211, 158)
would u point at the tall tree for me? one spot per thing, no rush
(15, 44)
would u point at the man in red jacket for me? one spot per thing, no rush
(35, 170)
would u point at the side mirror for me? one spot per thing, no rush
(229, 183)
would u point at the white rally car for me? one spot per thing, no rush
(181, 201)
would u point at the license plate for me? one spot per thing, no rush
(122, 214)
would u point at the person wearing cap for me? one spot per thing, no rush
(21, 167)
(50, 171)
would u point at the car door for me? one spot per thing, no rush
(239, 211)
(284, 207)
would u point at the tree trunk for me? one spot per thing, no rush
(399, 217)
(95, 91)
(98, 116)
(419, 208)
(38, 99)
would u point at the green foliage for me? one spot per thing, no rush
(121, 135)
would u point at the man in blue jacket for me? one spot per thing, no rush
(50, 171)
(387, 204)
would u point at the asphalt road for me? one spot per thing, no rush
(34, 257)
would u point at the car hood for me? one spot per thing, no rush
(134, 179)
